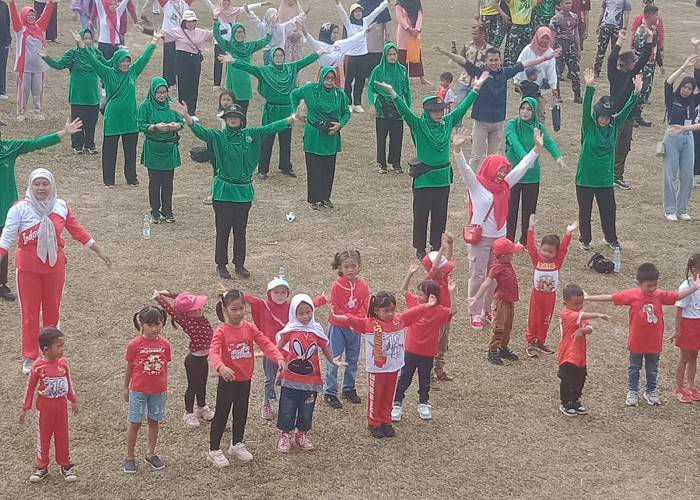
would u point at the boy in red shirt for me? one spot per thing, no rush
(574, 324)
(50, 374)
(646, 327)
(547, 260)
(504, 298)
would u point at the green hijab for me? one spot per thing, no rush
(394, 74)
(240, 49)
(526, 129)
(328, 101)
(151, 100)
(280, 78)
(118, 57)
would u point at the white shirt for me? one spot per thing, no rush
(482, 197)
(338, 50)
(105, 36)
(690, 304)
(548, 69)
(279, 31)
(392, 348)
(361, 48)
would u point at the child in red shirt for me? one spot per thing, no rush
(50, 375)
(145, 383)
(574, 324)
(231, 353)
(687, 335)
(186, 310)
(646, 327)
(504, 298)
(384, 354)
(301, 339)
(422, 342)
(547, 260)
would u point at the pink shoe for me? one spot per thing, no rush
(285, 442)
(476, 322)
(302, 439)
(204, 412)
(683, 395)
(693, 393)
(487, 316)
(267, 411)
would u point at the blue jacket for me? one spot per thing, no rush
(490, 106)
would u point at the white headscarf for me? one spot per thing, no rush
(294, 325)
(47, 242)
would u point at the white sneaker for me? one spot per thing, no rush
(684, 217)
(359, 109)
(424, 411)
(396, 412)
(217, 459)
(191, 419)
(240, 452)
(632, 398)
(4, 96)
(204, 412)
(671, 217)
(27, 365)
(652, 398)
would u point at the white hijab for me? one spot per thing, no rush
(47, 242)
(294, 325)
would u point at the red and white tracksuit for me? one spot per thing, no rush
(544, 292)
(380, 397)
(51, 381)
(40, 285)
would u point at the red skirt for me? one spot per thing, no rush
(689, 338)
(414, 69)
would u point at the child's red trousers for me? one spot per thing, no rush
(540, 315)
(52, 420)
(380, 399)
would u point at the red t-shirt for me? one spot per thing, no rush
(422, 336)
(507, 281)
(646, 330)
(233, 347)
(349, 299)
(53, 382)
(303, 371)
(572, 349)
(546, 270)
(150, 359)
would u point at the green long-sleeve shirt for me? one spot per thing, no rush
(428, 150)
(236, 153)
(120, 111)
(83, 85)
(596, 163)
(160, 149)
(277, 101)
(236, 79)
(10, 149)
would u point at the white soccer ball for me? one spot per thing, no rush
(291, 217)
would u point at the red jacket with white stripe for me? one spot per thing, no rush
(23, 221)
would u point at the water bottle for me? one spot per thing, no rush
(617, 256)
(281, 275)
(146, 227)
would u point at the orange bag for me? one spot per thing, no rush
(413, 50)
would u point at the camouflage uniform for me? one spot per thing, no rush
(606, 36)
(520, 35)
(495, 29)
(565, 28)
(649, 68)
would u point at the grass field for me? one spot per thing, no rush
(496, 431)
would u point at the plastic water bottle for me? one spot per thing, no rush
(146, 227)
(617, 257)
(281, 275)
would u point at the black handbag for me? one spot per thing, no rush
(389, 108)
(200, 155)
(416, 168)
(325, 124)
(601, 264)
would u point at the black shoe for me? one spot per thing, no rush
(242, 272)
(223, 272)
(495, 358)
(170, 219)
(134, 184)
(578, 100)
(6, 293)
(388, 430)
(641, 122)
(506, 353)
(621, 184)
(397, 169)
(155, 219)
(383, 169)
(327, 204)
(290, 173)
(420, 254)
(376, 431)
(262, 175)
(315, 206)
(352, 396)
(332, 401)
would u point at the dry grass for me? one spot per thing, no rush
(496, 431)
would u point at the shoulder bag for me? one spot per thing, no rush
(472, 232)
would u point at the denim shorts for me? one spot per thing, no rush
(139, 402)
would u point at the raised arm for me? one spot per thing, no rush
(459, 137)
(140, 64)
(629, 105)
(14, 16)
(45, 17)
(413, 269)
(343, 16)
(369, 19)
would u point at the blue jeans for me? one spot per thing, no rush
(270, 370)
(462, 91)
(679, 160)
(296, 409)
(4, 51)
(342, 340)
(651, 363)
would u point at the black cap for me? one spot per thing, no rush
(434, 103)
(233, 109)
(603, 107)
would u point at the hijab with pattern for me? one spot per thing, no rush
(47, 242)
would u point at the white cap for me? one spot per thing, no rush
(278, 282)
(432, 256)
(189, 15)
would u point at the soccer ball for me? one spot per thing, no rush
(291, 217)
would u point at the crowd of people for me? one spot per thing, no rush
(501, 173)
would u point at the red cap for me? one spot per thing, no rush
(503, 246)
(186, 301)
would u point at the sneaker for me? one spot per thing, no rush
(577, 100)
(129, 465)
(91, 151)
(134, 184)
(290, 173)
(77, 151)
(683, 395)
(191, 419)
(376, 431)
(584, 246)
(397, 169)
(266, 411)
(694, 394)
(531, 350)
(652, 398)
(262, 175)
(169, 219)
(642, 122)
(358, 109)
(3, 96)
(672, 217)
(424, 411)
(285, 442)
(204, 413)
(315, 206)
(242, 272)
(109, 186)
(6, 293)
(154, 219)
(420, 254)
(506, 353)
(333, 401)
(388, 430)
(217, 459)
(327, 204)
(155, 462)
(383, 169)
(223, 272)
(579, 408)
(486, 315)
(611, 244)
(239, 451)
(622, 184)
(208, 200)
(352, 396)
(544, 348)
(39, 475)
(495, 358)
(303, 440)
(396, 412)
(684, 217)
(27, 365)
(68, 473)
(568, 411)
(632, 398)
(475, 321)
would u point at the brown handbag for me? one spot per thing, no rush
(472, 232)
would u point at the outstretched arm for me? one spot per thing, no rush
(413, 268)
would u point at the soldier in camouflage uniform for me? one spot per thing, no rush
(648, 19)
(614, 17)
(565, 24)
(542, 14)
(520, 30)
(495, 18)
